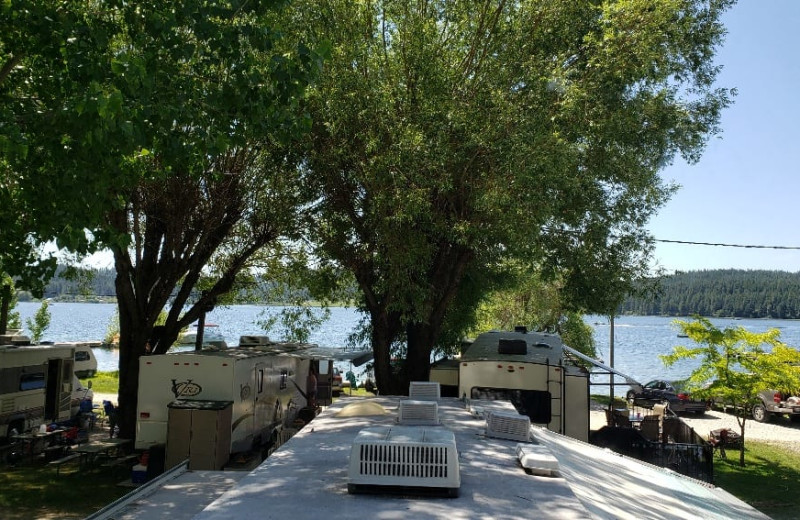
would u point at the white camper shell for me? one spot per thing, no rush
(36, 386)
(530, 370)
(264, 385)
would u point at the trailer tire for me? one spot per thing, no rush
(270, 447)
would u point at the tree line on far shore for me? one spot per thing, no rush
(722, 293)
(716, 293)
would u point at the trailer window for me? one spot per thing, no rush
(31, 381)
(284, 378)
(536, 404)
(82, 355)
(260, 380)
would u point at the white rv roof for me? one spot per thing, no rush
(541, 347)
(65, 350)
(287, 349)
(273, 349)
(307, 477)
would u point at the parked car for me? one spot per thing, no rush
(667, 392)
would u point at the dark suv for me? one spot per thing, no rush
(666, 392)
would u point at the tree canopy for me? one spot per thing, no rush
(448, 136)
(157, 128)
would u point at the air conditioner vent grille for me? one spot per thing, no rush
(508, 425)
(429, 462)
(404, 458)
(424, 390)
(419, 412)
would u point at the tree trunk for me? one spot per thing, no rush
(445, 276)
(741, 447)
(421, 337)
(5, 304)
(385, 327)
(132, 337)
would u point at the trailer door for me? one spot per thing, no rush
(262, 415)
(58, 390)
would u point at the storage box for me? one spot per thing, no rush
(139, 474)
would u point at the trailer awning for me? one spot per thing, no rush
(357, 357)
(631, 381)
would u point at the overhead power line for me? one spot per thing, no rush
(716, 244)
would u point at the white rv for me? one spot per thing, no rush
(527, 368)
(264, 385)
(36, 386)
(85, 360)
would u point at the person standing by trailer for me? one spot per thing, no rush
(311, 386)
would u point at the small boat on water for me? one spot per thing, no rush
(211, 335)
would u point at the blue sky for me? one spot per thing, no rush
(746, 187)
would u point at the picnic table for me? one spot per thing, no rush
(107, 448)
(37, 442)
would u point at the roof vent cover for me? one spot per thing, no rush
(508, 425)
(512, 346)
(419, 412)
(537, 460)
(424, 390)
(404, 459)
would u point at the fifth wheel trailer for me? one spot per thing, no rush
(529, 369)
(262, 384)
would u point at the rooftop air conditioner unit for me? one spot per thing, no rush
(409, 460)
(424, 391)
(418, 412)
(537, 460)
(508, 425)
(253, 341)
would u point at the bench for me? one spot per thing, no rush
(63, 460)
(120, 460)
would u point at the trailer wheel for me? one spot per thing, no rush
(271, 446)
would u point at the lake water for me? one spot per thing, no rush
(638, 340)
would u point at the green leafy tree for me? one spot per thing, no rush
(40, 322)
(9, 318)
(159, 127)
(735, 366)
(537, 305)
(447, 137)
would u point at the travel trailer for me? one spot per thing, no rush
(36, 386)
(531, 370)
(250, 393)
(85, 360)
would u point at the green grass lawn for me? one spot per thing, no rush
(32, 490)
(770, 481)
(104, 382)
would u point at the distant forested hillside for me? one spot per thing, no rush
(729, 293)
(72, 284)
